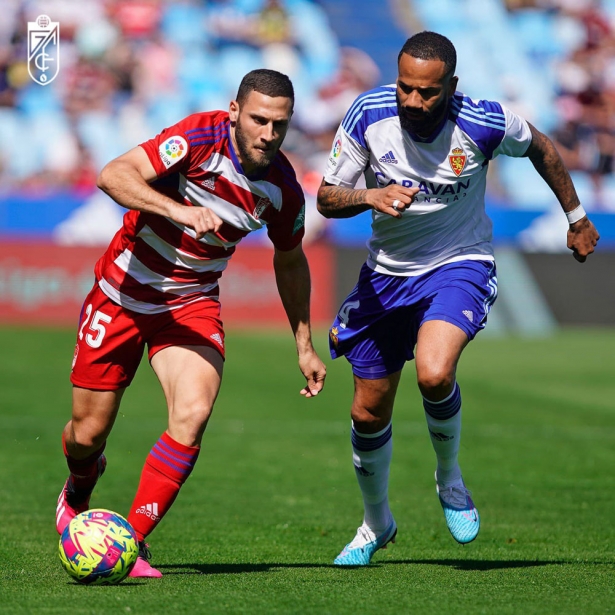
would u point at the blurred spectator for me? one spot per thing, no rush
(587, 99)
(131, 67)
(137, 19)
(88, 86)
(323, 112)
(7, 89)
(231, 23)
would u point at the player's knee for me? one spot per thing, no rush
(87, 437)
(370, 419)
(187, 423)
(435, 381)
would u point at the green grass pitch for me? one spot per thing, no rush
(274, 498)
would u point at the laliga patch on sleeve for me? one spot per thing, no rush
(173, 150)
(336, 151)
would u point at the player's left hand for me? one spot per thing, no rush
(582, 238)
(314, 371)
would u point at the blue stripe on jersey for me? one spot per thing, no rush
(370, 107)
(203, 136)
(356, 107)
(483, 121)
(206, 141)
(375, 93)
(205, 129)
(289, 177)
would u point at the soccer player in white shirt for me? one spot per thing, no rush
(429, 280)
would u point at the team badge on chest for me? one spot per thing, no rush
(260, 207)
(457, 160)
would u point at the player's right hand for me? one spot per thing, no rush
(200, 219)
(392, 200)
(314, 371)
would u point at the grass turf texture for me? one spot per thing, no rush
(274, 498)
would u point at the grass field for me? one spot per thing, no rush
(274, 497)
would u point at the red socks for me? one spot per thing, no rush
(166, 469)
(83, 472)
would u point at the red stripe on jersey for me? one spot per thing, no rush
(127, 285)
(231, 234)
(176, 237)
(160, 265)
(234, 195)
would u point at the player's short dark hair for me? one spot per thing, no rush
(267, 82)
(431, 46)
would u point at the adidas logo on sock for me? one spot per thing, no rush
(441, 437)
(362, 471)
(389, 158)
(149, 510)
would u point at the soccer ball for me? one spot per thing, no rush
(98, 547)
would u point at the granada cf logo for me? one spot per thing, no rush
(43, 49)
(457, 160)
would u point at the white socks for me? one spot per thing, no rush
(372, 460)
(444, 423)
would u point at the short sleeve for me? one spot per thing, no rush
(517, 137)
(287, 228)
(169, 151)
(347, 161)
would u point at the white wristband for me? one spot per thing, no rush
(575, 215)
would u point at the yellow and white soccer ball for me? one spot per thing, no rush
(98, 547)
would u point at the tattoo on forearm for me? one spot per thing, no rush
(337, 202)
(549, 164)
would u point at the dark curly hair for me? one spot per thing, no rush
(431, 46)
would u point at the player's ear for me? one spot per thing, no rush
(233, 110)
(452, 85)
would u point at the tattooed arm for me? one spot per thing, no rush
(582, 235)
(338, 202)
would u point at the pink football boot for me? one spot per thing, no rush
(67, 507)
(142, 568)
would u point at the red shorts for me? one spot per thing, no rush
(111, 339)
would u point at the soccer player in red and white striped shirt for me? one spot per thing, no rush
(193, 192)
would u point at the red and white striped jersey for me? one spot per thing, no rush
(154, 264)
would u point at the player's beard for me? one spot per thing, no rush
(259, 160)
(423, 123)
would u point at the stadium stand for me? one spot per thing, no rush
(130, 67)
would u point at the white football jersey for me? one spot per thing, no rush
(447, 221)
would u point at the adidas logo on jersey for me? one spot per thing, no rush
(389, 158)
(149, 510)
(468, 314)
(216, 337)
(209, 183)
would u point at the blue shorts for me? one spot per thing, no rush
(377, 325)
